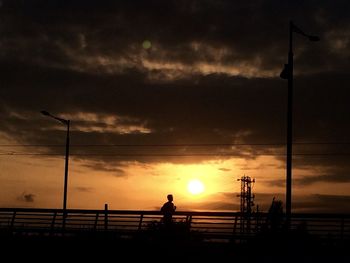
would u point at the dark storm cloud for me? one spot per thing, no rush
(48, 33)
(211, 109)
(87, 57)
(219, 111)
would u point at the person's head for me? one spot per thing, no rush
(170, 197)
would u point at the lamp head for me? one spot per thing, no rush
(285, 74)
(314, 38)
(44, 112)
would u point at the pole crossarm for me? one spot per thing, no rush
(296, 29)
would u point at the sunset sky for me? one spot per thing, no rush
(160, 93)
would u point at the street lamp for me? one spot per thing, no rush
(66, 122)
(287, 73)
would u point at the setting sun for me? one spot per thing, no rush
(195, 187)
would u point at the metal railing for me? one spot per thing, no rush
(208, 226)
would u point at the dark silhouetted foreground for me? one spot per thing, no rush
(178, 245)
(191, 237)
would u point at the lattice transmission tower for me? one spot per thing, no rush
(247, 201)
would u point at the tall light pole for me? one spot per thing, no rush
(66, 122)
(287, 73)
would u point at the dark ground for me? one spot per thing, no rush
(275, 248)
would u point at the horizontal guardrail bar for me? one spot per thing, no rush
(224, 225)
(155, 212)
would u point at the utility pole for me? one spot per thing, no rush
(287, 73)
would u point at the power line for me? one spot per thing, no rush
(141, 145)
(175, 155)
(174, 145)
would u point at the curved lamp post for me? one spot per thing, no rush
(287, 73)
(66, 122)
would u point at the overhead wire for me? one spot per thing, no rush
(175, 145)
(222, 154)
(174, 155)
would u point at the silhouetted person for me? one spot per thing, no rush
(168, 210)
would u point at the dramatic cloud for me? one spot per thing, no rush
(189, 80)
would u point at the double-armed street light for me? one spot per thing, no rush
(67, 123)
(287, 73)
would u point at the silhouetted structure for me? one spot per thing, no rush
(168, 210)
(190, 226)
(67, 123)
(287, 73)
(246, 202)
(275, 215)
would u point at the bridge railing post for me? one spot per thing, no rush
(53, 223)
(189, 222)
(96, 220)
(140, 222)
(13, 221)
(342, 229)
(106, 217)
